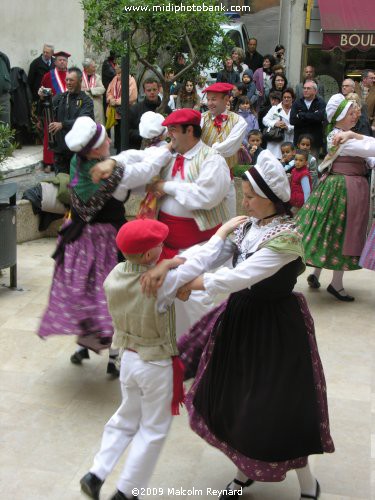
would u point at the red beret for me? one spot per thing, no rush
(222, 88)
(140, 235)
(183, 117)
(62, 53)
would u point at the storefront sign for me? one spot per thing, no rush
(349, 41)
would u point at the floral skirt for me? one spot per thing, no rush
(322, 223)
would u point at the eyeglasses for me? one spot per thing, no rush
(287, 97)
(308, 88)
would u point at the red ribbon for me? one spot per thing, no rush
(179, 166)
(178, 385)
(219, 119)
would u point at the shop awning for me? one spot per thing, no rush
(348, 24)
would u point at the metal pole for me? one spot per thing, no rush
(125, 94)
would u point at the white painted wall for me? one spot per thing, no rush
(292, 36)
(27, 24)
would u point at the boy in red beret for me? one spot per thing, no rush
(151, 373)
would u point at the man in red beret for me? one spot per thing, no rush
(54, 79)
(192, 195)
(223, 130)
(151, 372)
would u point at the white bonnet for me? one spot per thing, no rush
(150, 125)
(273, 173)
(333, 104)
(83, 131)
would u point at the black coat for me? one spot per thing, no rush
(108, 72)
(309, 121)
(228, 77)
(20, 96)
(67, 108)
(254, 62)
(38, 68)
(135, 113)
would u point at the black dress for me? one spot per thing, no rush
(257, 393)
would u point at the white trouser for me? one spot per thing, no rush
(144, 418)
(232, 200)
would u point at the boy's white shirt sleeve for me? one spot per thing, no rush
(233, 142)
(225, 254)
(139, 168)
(261, 265)
(186, 272)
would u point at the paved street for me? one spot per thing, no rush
(52, 412)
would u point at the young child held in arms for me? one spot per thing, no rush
(300, 181)
(305, 142)
(254, 142)
(287, 156)
(151, 373)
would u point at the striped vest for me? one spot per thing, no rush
(205, 219)
(137, 323)
(210, 134)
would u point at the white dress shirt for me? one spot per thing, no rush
(208, 190)
(233, 142)
(139, 168)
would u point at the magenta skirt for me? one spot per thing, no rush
(367, 259)
(77, 303)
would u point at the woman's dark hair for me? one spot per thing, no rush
(275, 94)
(271, 59)
(184, 96)
(290, 91)
(285, 82)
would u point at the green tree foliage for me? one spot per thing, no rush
(7, 145)
(158, 27)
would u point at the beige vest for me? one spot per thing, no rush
(210, 133)
(137, 323)
(205, 219)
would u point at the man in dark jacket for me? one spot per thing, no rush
(253, 59)
(67, 107)
(4, 89)
(38, 68)
(308, 115)
(150, 103)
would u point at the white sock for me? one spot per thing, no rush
(317, 272)
(337, 282)
(240, 476)
(306, 480)
(113, 354)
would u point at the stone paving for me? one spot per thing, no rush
(52, 412)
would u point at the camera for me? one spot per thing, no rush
(46, 92)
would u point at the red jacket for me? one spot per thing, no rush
(297, 198)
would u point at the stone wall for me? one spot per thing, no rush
(27, 222)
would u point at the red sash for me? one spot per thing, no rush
(183, 233)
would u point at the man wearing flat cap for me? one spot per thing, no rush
(223, 130)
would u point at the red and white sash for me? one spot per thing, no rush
(60, 83)
(89, 83)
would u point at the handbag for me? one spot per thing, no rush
(273, 134)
